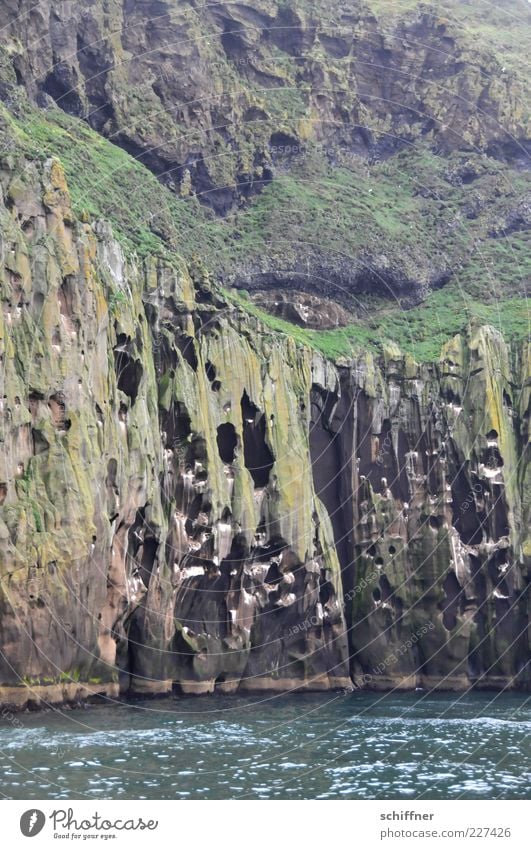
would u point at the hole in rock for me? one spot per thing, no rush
(40, 443)
(176, 425)
(34, 399)
(58, 407)
(147, 561)
(210, 371)
(465, 518)
(274, 575)
(271, 551)
(197, 452)
(238, 554)
(385, 586)
(112, 471)
(326, 590)
(258, 457)
(129, 371)
(491, 458)
(3, 492)
(186, 346)
(60, 84)
(65, 296)
(227, 441)
(453, 592)
(452, 397)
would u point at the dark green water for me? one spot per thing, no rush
(283, 747)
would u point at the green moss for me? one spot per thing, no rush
(116, 300)
(37, 518)
(421, 331)
(410, 209)
(500, 26)
(104, 181)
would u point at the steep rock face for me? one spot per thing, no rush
(432, 465)
(158, 519)
(190, 500)
(212, 97)
(330, 150)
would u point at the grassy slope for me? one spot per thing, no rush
(409, 207)
(405, 207)
(500, 25)
(339, 207)
(105, 182)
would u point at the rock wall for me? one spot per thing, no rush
(431, 509)
(209, 95)
(189, 500)
(158, 520)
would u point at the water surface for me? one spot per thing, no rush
(331, 746)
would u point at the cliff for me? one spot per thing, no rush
(344, 150)
(190, 499)
(194, 493)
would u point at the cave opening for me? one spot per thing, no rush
(129, 371)
(40, 443)
(60, 85)
(453, 596)
(466, 519)
(147, 559)
(176, 425)
(57, 407)
(227, 441)
(258, 457)
(186, 346)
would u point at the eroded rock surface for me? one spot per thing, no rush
(213, 96)
(190, 500)
(158, 522)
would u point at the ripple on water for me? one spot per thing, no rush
(302, 747)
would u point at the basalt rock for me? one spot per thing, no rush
(159, 523)
(190, 500)
(215, 97)
(302, 308)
